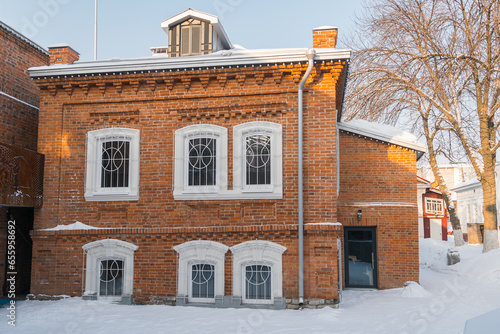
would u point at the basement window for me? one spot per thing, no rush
(109, 270)
(258, 271)
(200, 272)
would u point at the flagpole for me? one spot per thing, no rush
(95, 31)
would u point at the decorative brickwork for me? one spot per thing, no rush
(160, 102)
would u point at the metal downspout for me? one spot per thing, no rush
(310, 56)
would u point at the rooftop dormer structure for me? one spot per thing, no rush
(192, 33)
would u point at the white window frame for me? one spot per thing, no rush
(108, 249)
(243, 282)
(258, 252)
(240, 132)
(98, 283)
(93, 189)
(430, 202)
(190, 284)
(182, 137)
(200, 251)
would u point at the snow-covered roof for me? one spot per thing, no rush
(466, 185)
(325, 28)
(62, 45)
(426, 184)
(191, 13)
(23, 38)
(384, 133)
(234, 57)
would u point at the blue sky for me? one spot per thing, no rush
(127, 29)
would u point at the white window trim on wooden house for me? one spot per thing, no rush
(434, 206)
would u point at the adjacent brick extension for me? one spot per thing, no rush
(18, 123)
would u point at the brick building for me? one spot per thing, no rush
(177, 177)
(21, 167)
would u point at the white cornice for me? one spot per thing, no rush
(226, 58)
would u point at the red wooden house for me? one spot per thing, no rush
(432, 213)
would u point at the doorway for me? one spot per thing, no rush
(360, 257)
(22, 223)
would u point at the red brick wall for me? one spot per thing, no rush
(380, 180)
(58, 261)
(18, 122)
(157, 105)
(325, 38)
(63, 55)
(66, 119)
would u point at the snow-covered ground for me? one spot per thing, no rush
(446, 298)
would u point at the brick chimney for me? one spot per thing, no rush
(324, 37)
(62, 54)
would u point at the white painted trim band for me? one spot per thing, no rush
(20, 101)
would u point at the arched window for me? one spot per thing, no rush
(200, 160)
(112, 167)
(257, 271)
(201, 271)
(257, 152)
(109, 270)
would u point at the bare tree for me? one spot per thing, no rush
(436, 63)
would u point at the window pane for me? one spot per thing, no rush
(185, 40)
(258, 282)
(202, 280)
(111, 278)
(258, 158)
(196, 40)
(115, 164)
(202, 163)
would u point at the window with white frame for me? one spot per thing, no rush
(257, 153)
(202, 285)
(200, 159)
(434, 205)
(111, 277)
(257, 271)
(112, 166)
(257, 282)
(201, 271)
(109, 269)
